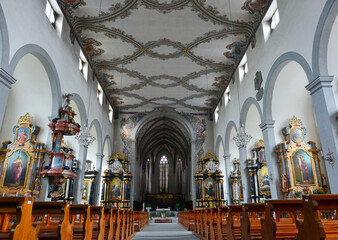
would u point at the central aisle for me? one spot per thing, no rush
(163, 231)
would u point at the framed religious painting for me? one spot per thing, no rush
(209, 188)
(86, 190)
(16, 169)
(115, 189)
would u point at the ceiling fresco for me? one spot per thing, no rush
(155, 53)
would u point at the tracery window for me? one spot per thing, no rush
(164, 171)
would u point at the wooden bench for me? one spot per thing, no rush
(320, 218)
(8, 211)
(234, 222)
(280, 219)
(250, 221)
(83, 225)
(54, 220)
(222, 222)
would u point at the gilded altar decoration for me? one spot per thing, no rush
(22, 160)
(299, 163)
(209, 182)
(259, 174)
(88, 188)
(236, 183)
(61, 170)
(116, 182)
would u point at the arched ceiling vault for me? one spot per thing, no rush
(174, 53)
(164, 133)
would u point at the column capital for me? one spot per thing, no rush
(226, 156)
(267, 124)
(6, 79)
(318, 83)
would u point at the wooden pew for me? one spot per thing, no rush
(250, 221)
(97, 215)
(141, 219)
(320, 218)
(234, 222)
(53, 218)
(198, 223)
(8, 210)
(222, 222)
(23, 228)
(283, 225)
(83, 225)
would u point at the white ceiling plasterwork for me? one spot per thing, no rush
(151, 53)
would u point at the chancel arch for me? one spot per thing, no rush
(164, 151)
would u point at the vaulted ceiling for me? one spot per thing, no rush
(175, 53)
(164, 134)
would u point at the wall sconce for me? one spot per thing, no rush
(330, 158)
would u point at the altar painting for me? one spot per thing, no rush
(115, 190)
(16, 169)
(209, 188)
(263, 179)
(297, 135)
(302, 166)
(23, 134)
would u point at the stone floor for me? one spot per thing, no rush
(164, 231)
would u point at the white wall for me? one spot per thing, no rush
(291, 98)
(26, 96)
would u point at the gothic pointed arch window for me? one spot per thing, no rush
(164, 172)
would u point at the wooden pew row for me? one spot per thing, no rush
(20, 218)
(313, 218)
(141, 219)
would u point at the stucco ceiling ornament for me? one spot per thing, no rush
(84, 138)
(242, 138)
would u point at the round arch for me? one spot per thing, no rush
(81, 106)
(322, 36)
(219, 142)
(231, 124)
(107, 139)
(273, 74)
(245, 108)
(95, 123)
(50, 68)
(4, 41)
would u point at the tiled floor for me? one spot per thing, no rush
(163, 231)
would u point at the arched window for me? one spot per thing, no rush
(179, 172)
(164, 170)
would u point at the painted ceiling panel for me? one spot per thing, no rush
(177, 53)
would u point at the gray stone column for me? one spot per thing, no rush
(97, 188)
(271, 158)
(193, 163)
(78, 184)
(6, 81)
(326, 111)
(134, 191)
(245, 175)
(227, 172)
